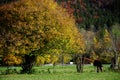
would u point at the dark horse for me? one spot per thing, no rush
(97, 63)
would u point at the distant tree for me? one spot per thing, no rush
(116, 44)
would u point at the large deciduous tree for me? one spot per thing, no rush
(115, 46)
(29, 28)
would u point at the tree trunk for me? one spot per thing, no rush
(79, 63)
(115, 49)
(116, 61)
(28, 64)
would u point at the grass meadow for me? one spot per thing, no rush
(67, 72)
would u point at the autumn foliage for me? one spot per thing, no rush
(37, 27)
(11, 60)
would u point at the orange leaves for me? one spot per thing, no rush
(10, 59)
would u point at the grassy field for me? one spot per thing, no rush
(62, 73)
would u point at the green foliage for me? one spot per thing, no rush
(116, 30)
(11, 71)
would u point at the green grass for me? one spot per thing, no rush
(63, 73)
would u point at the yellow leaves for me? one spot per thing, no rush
(107, 38)
(54, 55)
(35, 45)
(101, 45)
(93, 56)
(18, 43)
(40, 24)
(40, 60)
(95, 40)
(96, 43)
(51, 57)
(23, 51)
(10, 59)
(26, 41)
(52, 33)
(16, 51)
(47, 58)
(51, 4)
(66, 58)
(78, 42)
(54, 59)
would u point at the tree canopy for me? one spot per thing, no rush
(37, 26)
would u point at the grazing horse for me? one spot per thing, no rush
(97, 63)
